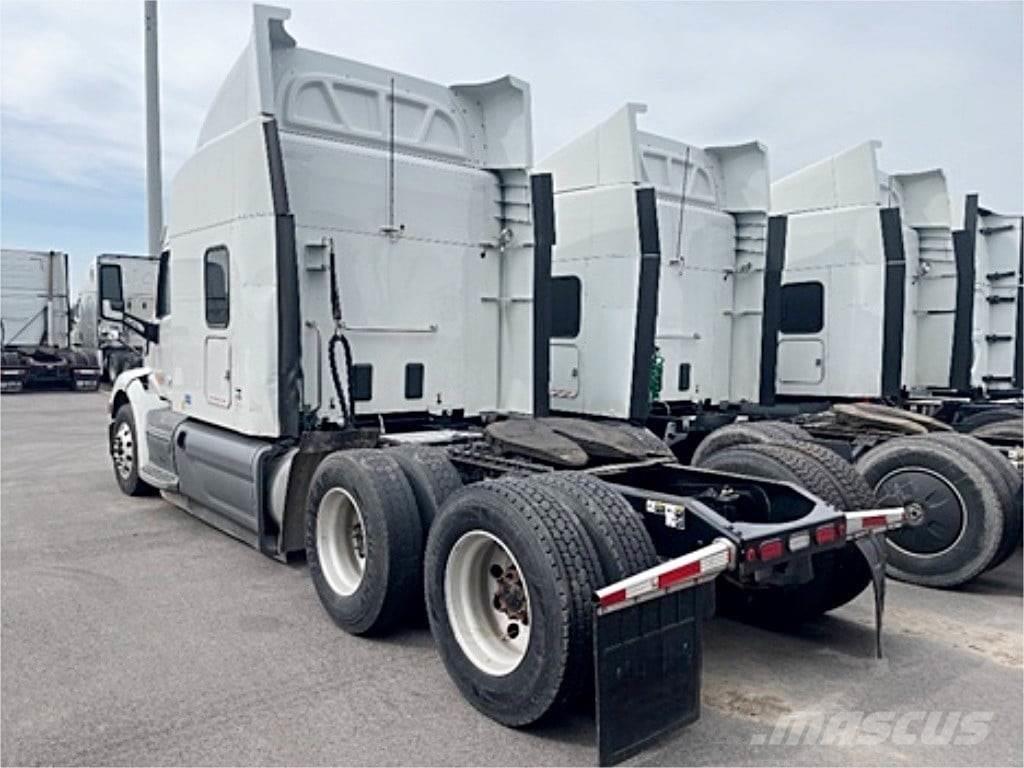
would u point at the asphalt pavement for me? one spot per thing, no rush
(131, 633)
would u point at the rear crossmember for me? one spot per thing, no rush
(648, 636)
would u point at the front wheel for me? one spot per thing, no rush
(125, 455)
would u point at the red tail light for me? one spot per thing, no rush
(771, 549)
(824, 534)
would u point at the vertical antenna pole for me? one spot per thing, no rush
(391, 162)
(154, 184)
(682, 206)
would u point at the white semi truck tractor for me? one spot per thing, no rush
(665, 329)
(951, 332)
(777, 328)
(35, 325)
(883, 299)
(350, 363)
(988, 351)
(116, 345)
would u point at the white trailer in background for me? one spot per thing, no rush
(117, 346)
(353, 336)
(35, 324)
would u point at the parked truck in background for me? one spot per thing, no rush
(116, 345)
(935, 309)
(677, 307)
(35, 325)
(884, 299)
(939, 320)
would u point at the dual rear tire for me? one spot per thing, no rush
(838, 575)
(964, 499)
(513, 557)
(507, 568)
(364, 541)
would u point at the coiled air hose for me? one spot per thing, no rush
(347, 403)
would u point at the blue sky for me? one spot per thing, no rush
(940, 84)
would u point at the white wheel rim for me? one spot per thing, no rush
(124, 450)
(489, 613)
(340, 541)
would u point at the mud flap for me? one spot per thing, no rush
(647, 669)
(873, 549)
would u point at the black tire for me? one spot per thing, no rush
(1006, 429)
(390, 586)
(779, 462)
(616, 530)
(431, 475)
(559, 567)
(961, 524)
(839, 575)
(789, 429)
(733, 435)
(856, 492)
(126, 473)
(988, 416)
(1004, 478)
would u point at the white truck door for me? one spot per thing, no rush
(217, 349)
(565, 369)
(802, 331)
(217, 371)
(801, 361)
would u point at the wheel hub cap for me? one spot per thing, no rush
(488, 603)
(341, 541)
(123, 450)
(936, 511)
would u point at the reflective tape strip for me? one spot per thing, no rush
(688, 570)
(873, 520)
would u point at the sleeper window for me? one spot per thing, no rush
(566, 300)
(803, 308)
(215, 286)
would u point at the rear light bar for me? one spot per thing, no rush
(873, 521)
(689, 570)
(826, 534)
(771, 549)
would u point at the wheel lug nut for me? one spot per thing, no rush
(496, 571)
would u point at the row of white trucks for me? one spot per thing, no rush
(572, 407)
(50, 342)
